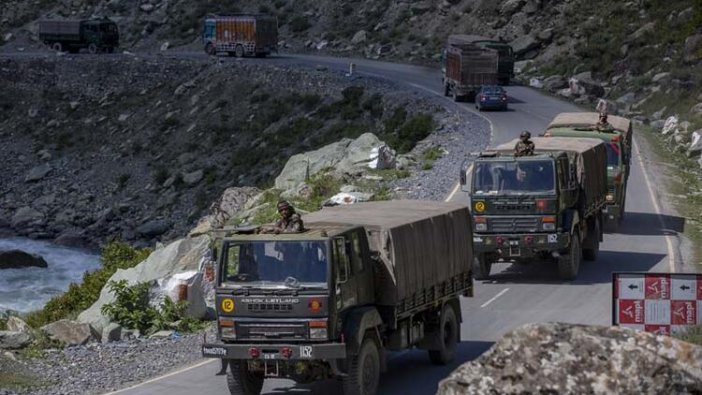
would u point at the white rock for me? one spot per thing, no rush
(660, 76)
(165, 46)
(535, 83)
(360, 37)
(671, 125)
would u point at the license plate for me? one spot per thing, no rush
(494, 98)
(270, 356)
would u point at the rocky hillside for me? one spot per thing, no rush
(138, 148)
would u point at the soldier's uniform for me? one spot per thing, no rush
(524, 148)
(291, 224)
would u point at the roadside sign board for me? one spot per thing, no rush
(657, 302)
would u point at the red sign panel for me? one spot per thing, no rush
(657, 302)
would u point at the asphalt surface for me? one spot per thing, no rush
(516, 294)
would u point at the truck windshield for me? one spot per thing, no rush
(276, 263)
(514, 177)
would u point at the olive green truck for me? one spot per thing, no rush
(618, 142)
(329, 302)
(548, 205)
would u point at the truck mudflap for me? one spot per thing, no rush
(273, 352)
(520, 245)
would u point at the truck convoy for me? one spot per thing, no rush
(546, 205)
(328, 301)
(240, 34)
(505, 61)
(618, 140)
(466, 67)
(97, 35)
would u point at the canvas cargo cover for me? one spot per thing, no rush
(65, 27)
(422, 243)
(590, 156)
(589, 119)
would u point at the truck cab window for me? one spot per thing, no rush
(356, 257)
(342, 258)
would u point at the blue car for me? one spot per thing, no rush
(491, 97)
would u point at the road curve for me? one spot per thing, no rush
(516, 294)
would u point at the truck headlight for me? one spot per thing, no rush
(609, 197)
(481, 227)
(318, 333)
(228, 333)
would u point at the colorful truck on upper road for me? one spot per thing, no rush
(618, 141)
(505, 60)
(466, 67)
(240, 34)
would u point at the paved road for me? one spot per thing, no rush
(517, 294)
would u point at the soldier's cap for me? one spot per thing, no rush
(283, 204)
(525, 134)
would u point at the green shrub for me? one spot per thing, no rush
(299, 24)
(122, 181)
(403, 136)
(374, 105)
(132, 310)
(161, 175)
(115, 255)
(692, 335)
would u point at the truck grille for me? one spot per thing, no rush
(271, 331)
(269, 307)
(514, 224)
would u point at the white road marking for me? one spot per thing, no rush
(494, 298)
(203, 363)
(668, 241)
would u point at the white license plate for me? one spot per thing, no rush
(270, 356)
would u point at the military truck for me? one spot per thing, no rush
(547, 205)
(240, 34)
(505, 60)
(466, 67)
(97, 35)
(329, 301)
(618, 141)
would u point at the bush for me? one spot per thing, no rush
(115, 255)
(132, 310)
(122, 181)
(403, 136)
(299, 24)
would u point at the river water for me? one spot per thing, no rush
(29, 289)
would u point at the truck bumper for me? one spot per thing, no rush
(611, 212)
(273, 352)
(520, 245)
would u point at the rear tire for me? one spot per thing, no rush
(590, 254)
(57, 47)
(364, 370)
(569, 264)
(448, 337)
(242, 382)
(93, 49)
(239, 51)
(481, 267)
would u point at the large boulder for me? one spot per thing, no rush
(27, 216)
(183, 255)
(555, 82)
(16, 259)
(153, 228)
(16, 324)
(69, 332)
(670, 125)
(693, 48)
(12, 340)
(345, 156)
(566, 358)
(524, 44)
(232, 201)
(584, 84)
(38, 172)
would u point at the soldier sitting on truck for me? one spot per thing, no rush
(602, 124)
(524, 147)
(289, 222)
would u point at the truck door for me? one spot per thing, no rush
(346, 284)
(361, 267)
(208, 31)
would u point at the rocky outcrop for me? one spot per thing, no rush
(16, 324)
(69, 332)
(232, 201)
(566, 358)
(16, 259)
(12, 340)
(161, 268)
(343, 157)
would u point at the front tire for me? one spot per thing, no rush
(242, 382)
(239, 51)
(448, 337)
(364, 370)
(569, 264)
(210, 49)
(92, 48)
(57, 47)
